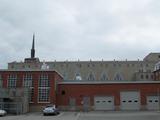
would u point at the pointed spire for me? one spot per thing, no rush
(33, 49)
(33, 41)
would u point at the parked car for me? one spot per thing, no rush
(3, 112)
(50, 110)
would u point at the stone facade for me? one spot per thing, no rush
(96, 70)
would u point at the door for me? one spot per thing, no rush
(130, 100)
(86, 103)
(153, 103)
(72, 103)
(104, 102)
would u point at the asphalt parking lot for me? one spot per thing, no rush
(118, 115)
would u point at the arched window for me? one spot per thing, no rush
(118, 77)
(91, 77)
(65, 77)
(78, 76)
(103, 77)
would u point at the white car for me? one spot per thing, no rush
(50, 110)
(3, 112)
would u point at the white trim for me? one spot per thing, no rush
(43, 102)
(110, 82)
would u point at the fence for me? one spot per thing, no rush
(12, 107)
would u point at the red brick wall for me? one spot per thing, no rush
(79, 90)
(53, 76)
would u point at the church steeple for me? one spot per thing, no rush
(32, 58)
(33, 48)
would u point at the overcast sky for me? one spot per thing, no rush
(79, 29)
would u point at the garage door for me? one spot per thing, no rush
(130, 100)
(104, 102)
(153, 103)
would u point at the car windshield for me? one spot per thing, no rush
(50, 106)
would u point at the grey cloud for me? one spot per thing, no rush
(81, 29)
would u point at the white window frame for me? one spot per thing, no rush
(43, 84)
(43, 97)
(27, 78)
(12, 81)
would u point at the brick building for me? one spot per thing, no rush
(109, 95)
(95, 85)
(41, 85)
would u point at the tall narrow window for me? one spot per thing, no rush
(78, 76)
(65, 76)
(28, 83)
(43, 88)
(12, 79)
(27, 80)
(118, 77)
(91, 77)
(103, 77)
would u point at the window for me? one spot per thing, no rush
(31, 94)
(156, 100)
(146, 76)
(78, 76)
(27, 80)
(130, 101)
(12, 79)
(150, 100)
(44, 81)
(65, 76)
(103, 77)
(43, 88)
(43, 95)
(91, 77)
(135, 101)
(118, 77)
(141, 76)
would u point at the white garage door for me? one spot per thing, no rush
(130, 100)
(104, 102)
(153, 103)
